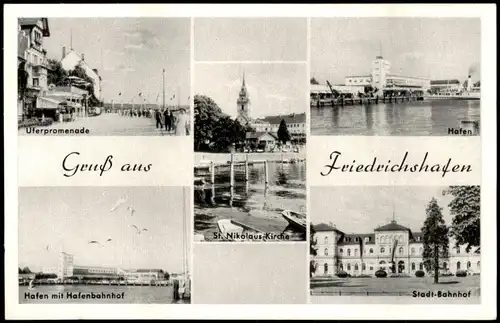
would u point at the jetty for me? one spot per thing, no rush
(344, 101)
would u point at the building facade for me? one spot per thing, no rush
(381, 78)
(295, 123)
(32, 31)
(72, 59)
(337, 251)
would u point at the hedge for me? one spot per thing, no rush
(419, 273)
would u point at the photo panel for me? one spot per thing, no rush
(250, 274)
(130, 78)
(250, 39)
(250, 152)
(389, 76)
(104, 245)
(395, 245)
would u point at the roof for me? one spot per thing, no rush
(445, 82)
(409, 77)
(326, 227)
(358, 76)
(28, 22)
(289, 118)
(393, 226)
(258, 134)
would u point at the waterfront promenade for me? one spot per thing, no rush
(111, 124)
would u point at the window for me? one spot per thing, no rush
(326, 251)
(420, 250)
(341, 266)
(349, 267)
(469, 265)
(458, 265)
(341, 250)
(401, 250)
(326, 240)
(412, 251)
(458, 250)
(355, 252)
(478, 265)
(412, 266)
(348, 252)
(421, 266)
(326, 268)
(382, 250)
(371, 250)
(35, 82)
(356, 267)
(371, 268)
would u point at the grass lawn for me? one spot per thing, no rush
(393, 286)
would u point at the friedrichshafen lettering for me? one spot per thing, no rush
(389, 167)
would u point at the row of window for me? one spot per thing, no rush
(360, 81)
(382, 251)
(413, 266)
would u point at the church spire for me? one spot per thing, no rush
(243, 84)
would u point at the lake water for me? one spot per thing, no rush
(131, 294)
(417, 118)
(253, 203)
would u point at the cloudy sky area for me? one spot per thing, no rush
(67, 218)
(355, 209)
(250, 39)
(437, 48)
(273, 88)
(134, 51)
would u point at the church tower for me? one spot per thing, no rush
(243, 103)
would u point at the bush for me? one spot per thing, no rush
(342, 274)
(402, 275)
(419, 273)
(461, 273)
(380, 273)
(446, 274)
(46, 122)
(363, 276)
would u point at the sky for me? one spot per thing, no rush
(134, 52)
(436, 48)
(67, 218)
(250, 39)
(273, 88)
(360, 209)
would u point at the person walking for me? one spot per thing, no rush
(168, 120)
(172, 121)
(182, 124)
(158, 119)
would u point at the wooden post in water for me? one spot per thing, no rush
(246, 168)
(212, 183)
(231, 180)
(266, 172)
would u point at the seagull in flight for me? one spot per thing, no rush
(131, 209)
(138, 230)
(120, 201)
(47, 248)
(98, 243)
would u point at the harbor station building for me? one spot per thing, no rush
(68, 269)
(338, 251)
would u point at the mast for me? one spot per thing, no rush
(163, 89)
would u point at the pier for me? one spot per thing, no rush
(342, 101)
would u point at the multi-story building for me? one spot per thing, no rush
(381, 78)
(359, 254)
(31, 33)
(72, 59)
(446, 86)
(65, 266)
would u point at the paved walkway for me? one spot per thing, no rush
(112, 124)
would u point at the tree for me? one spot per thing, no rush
(314, 81)
(435, 238)
(283, 134)
(57, 75)
(312, 249)
(166, 275)
(20, 271)
(26, 270)
(465, 207)
(206, 116)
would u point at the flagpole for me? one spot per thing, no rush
(163, 88)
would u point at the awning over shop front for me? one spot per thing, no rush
(47, 103)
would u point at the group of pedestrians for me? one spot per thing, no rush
(165, 118)
(137, 113)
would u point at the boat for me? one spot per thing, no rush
(295, 219)
(31, 286)
(232, 230)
